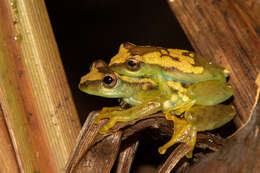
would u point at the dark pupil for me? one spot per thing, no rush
(131, 63)
(108, 80)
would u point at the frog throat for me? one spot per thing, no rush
(181, 60)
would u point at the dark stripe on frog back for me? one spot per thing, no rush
(142, 50)
(198, 60)
(191, 77)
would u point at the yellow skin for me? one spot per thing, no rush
(166, 66)
(146, 99)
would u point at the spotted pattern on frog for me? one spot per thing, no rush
(181, 60)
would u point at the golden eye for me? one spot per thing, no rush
(133, 64)
(109, 80)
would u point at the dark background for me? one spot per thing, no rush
(87, 30)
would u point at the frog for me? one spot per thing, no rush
(145, 98)
(171, 67)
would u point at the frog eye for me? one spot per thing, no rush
(133, 64)
(109, 80)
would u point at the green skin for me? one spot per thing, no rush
(150, 100)
(160, 74)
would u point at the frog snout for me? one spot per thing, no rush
(83, 85)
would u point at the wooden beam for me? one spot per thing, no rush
(227, 33)
(34, 93)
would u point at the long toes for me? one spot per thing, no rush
(189, 155)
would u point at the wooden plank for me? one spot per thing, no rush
(35, 97)
(227, 33)
(7, 153)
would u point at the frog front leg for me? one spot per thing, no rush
(163, 85)
(130, 114)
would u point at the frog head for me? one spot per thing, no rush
(145, 61)
(130, 61)
(102, 81)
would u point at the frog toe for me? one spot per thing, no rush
(111, 123)
(162, 150)
(101, 116)
(103, 131)
(110, 109)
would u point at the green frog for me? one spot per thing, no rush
(172, 68)
(145, 97)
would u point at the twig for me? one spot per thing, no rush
(126, 158)
(174, 158)
(89, 137)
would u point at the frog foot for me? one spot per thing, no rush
(101, 116)
(106, 113)
(178, 109)
(183, 132)
(113, 119)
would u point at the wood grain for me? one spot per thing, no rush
(227, 33)
(34, 93)
(7, 154)
(126, 157)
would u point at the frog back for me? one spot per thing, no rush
(193, 68)
(174, 64)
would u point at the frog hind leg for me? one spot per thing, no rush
(210, 92)
(130, 114)
(183, 132)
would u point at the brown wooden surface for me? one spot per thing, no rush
(35, 98)
(101, 157)
(89, 138)
(7, 154)
(174, 158)
(126, 157)
(226, 32)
